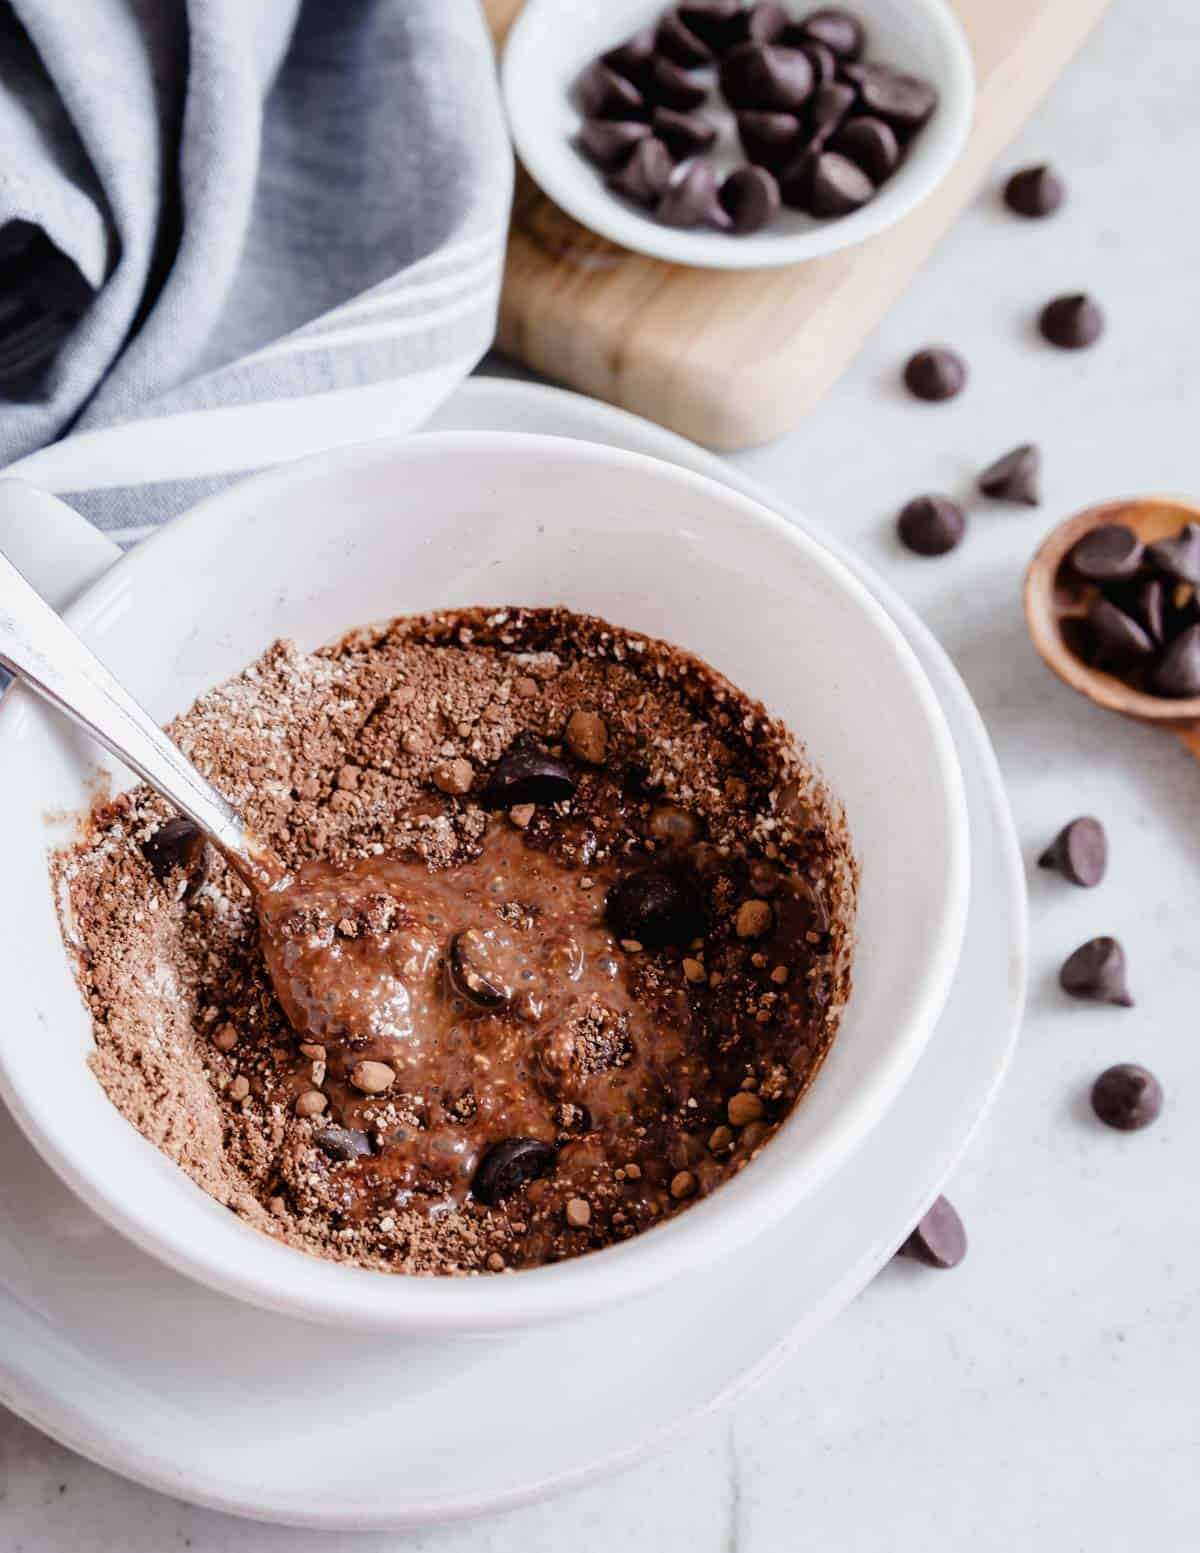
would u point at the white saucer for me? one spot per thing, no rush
(215, 1402)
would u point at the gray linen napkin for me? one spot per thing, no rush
(214, 214)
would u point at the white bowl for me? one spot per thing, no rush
(552, 41)
(476, 518)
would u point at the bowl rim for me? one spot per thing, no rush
(297, 1283)
(589, 203)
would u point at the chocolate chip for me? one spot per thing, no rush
(870, 144)
(906, 102)
(1178, 556)
(343, 1143)
(178, 844)
(939, 1240)
(1016, 477)
(1147, 607)
(769, 139)
(1178, 672)
(692, 200)
(1127, 1097)
(510, 1165)
(935, 374)
(1096, 971)
(931, 525)
(671, 85)
(823, 60)
(646, 174)
(683, 134)
(765, 22)
(1108, 553)
(1079, 852)
(680, 44)
(830, 103)
(838, 31)
(796, 179)
(1072, 322)
(1034, 191)
(607, 95)
(1116, 639)
(718, 22)
(633, 59)
(655, 907)
(767, 77)
(750, 197)
(472, 972)
(838, 186)
(610, 142)
(526, 775)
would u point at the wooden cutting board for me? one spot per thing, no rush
(732, 358)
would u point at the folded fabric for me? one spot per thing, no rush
(215, 213)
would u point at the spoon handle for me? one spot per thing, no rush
(37, 645)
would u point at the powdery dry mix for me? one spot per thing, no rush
(641, 1079)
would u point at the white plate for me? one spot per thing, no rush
(163, 1381)
(553, 40)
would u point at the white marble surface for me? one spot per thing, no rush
(1042, 1396)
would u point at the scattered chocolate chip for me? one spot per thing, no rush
(839, 186)
(610, 142)
(473, 974)
(1079, 852)
(906, 102)
(343, 1143)
(510, 1165)
(765, 22)
(680, 44)
(768, 139)
(1178, 556)
(1147, 607)
(655, 907)
(870, 144)
(838, 31)
(633, 59)
(827, 108)
(935, 374)
(796, 179)
(750, 198)
(692, 200)
(526, 775)
(1071, 323)
(1096, 971)
(683, 134)
(822, 59)
(1127, 1097)
(767, 77)
(1109, 553)
(1116, 639)
(1177, 674)
(1034, 191)
(939, 1240)
(718, 22)
(607, 95)
(672, 86)
(178, 844)
(1016, 477)
(931, 525)
(646, 174)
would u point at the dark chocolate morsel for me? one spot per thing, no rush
(526, 775)
(935, 374)
(680, 44)
(827, 108)
(1072, 322)
(870, 144)
(767, 77)
(1016, 477)
(655, 907)
(823, 60)
(472, 973)
(607, 95)
(839, 31)
(1096, 972)
(838, 186)
(750, 197)
(796, 179)
(343, 1143)
(610, 142)
(1117, 640)
(1079, 852)
(633, 59)
(718, 22)
(1127, 1097)
(510, 1165)
(1178, 556)
(765, 22)
(1109, 553)
(939, 1240)
(178, 844)
(931, 525)
(906, 102)
(1147, 607)
(683, 134)
(692, 200)
(673, 87)
(643, 178)
(768, 139)
(1177, 672)
(1034, 191)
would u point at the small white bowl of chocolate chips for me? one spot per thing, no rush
(729, 135)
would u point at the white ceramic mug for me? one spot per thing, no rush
(398, 526)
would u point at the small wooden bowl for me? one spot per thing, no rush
(1053, 597)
